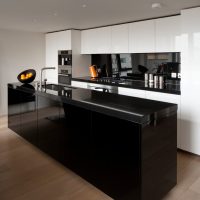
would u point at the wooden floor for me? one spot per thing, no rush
(26, 173)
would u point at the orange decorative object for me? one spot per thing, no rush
(27, 76)
(22, 77)
(93, 71)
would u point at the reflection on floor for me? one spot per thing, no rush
(28, 173)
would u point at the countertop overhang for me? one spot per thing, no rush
(133, 109)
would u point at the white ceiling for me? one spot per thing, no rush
(52, 15)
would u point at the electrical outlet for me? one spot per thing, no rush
(173, 75)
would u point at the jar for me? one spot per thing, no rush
(150, 78)
(161, 82)
(146, 77)
(155, 81)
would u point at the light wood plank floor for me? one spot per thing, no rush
(26, 173)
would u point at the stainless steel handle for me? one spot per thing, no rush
(64, 74)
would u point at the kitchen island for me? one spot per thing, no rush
(123, 145)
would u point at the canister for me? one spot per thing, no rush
(150, 78)
(155, 81)
(146, 77)
(161, 82)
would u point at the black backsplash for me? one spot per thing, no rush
(103, 62)
(136, 64)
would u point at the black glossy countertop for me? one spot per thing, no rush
(133, 109)
(134, 84)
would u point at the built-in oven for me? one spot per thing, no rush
(64, 79)
(65, 58)
(64, 67)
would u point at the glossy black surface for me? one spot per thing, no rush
(22, 112)
(137, 110)
(134, 65)
(101, 150)
(169, 87)
(51, 127)
(14, 110)
(159, 158)
(124, 146)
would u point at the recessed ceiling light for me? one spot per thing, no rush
(84, 6)
(156, 5)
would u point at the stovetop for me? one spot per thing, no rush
(172, 87)
(108, 80)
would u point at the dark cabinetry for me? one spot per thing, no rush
(101, 150)
(28, 125)
(14, 110)
(22, 113)
(115, 154)
(51, 125)
(125, 158)
(77, 139)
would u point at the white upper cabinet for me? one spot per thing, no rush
(168, 34)
(119, 38)
(157, 35)
(190, 81)
(88, 41)
(55, 42)
(96, 41)
(142, 37)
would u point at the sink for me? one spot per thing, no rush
(53, 87)
(57, 87)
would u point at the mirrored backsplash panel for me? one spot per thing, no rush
(137, 64)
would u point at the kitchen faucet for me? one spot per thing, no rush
(44, 68)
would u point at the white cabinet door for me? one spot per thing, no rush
(96, 41)
(190, 81)
(79, 84)
(169, 98)
(63, 40)
(55, 42)
(168, 34)
(142, 37)
(131, 92)
(119, 38)
(88, 40)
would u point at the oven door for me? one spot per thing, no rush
(64, 79)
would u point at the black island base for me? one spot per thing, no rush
(124, 146)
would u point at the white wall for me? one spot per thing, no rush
(18, 51)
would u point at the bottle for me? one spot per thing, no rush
(150, 78)
(161, 82)
(146, 77)
(155, 81)
(63, 61)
